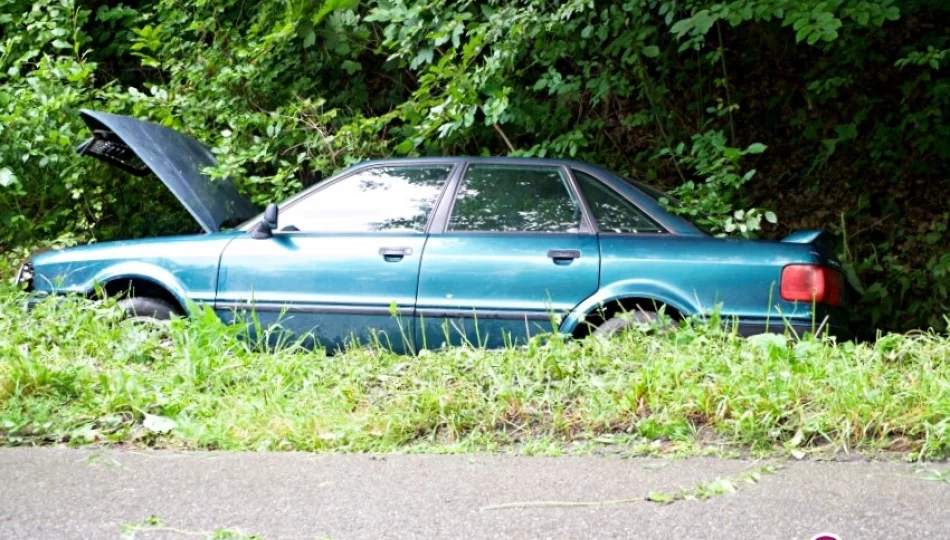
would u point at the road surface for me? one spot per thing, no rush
(65, 494)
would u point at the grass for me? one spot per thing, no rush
(703, 491)
(73, 372)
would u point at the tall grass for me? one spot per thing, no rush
(74, 372)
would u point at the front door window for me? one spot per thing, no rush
(380, 199)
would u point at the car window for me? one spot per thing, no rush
(513, 198)
(613, 213)
(393, 198)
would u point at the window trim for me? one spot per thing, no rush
(316, 189)
(650, 215)
(585, 226)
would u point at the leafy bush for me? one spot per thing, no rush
(849, 97)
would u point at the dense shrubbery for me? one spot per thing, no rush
(840, 105)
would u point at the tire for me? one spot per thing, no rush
(149, 310)
(617, 325)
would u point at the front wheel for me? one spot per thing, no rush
(147, 310)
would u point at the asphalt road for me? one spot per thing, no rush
(66, 494)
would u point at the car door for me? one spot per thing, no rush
(510, 252)
(343, 264)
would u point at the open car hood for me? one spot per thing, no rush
(139, 147)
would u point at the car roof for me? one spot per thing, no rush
(474, 159)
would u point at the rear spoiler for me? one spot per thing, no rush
(820, 238)
(829, 245)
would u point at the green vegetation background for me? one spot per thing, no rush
(829, 113)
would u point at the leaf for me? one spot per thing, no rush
(769, 342)
(7, 178)
(330, 6)
(703, 21)
(662, 498)
(405, 146)
(682, 27)
(756, 148)
(158, 424)
(309, 38)
(771, 217)
(651, 51)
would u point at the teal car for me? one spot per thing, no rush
(425, 252)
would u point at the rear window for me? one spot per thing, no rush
(672, 204)
(613, 213)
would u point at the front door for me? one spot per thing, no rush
(343, 265)
(514, 254)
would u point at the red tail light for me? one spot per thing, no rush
(811, 283)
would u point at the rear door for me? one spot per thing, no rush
(344, 262)
(512, 251)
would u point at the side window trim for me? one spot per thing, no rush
(654, 218)
(454, 185)
(588, 225)
(314, 190)
(446, 204)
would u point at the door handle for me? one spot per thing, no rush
(394, 254)
(564, 256)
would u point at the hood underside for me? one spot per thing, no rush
(139, 147)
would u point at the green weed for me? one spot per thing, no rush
(154, 524)
(73, 372)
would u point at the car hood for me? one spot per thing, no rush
(139, 147)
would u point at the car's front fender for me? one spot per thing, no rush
(185, 266)
(657, 291)
(84, 278)
(142, 271)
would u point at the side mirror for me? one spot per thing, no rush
(265, 229)
(270, 216)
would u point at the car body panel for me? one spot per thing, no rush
(493, 288)
(184, 265)
(176, 159)
(698, 275)
(337, 287)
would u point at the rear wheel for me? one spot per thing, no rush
(616, 325)
(147, 310)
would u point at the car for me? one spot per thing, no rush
(425, 252)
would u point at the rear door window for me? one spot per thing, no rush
(515, 198)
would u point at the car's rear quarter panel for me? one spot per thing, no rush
(696, 274)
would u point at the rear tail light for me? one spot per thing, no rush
(811, 283)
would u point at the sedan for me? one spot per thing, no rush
(425, 252)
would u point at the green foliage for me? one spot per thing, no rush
(716, 199)
(74, 372)
(850, 97)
